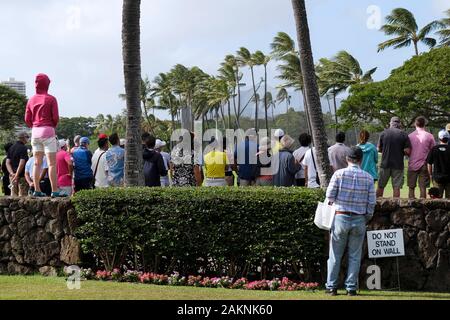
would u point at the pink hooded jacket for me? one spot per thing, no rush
(42, 108)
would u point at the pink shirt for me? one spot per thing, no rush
(43, 132)
(421, 144)
(62, 166)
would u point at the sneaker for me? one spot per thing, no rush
(351, 293)
(59, 194)
(331, 292)
(39, 194)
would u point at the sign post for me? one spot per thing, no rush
(385, 244)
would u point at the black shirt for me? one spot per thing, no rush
(154, 168)
(440, 157)
(393, 142)
(18, 152)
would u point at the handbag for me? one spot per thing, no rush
(324, 215)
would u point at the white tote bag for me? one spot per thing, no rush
(324, 215)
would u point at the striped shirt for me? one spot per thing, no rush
(352, 190)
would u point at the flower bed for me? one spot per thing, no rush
(176, 279)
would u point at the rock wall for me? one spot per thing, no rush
(426, 229)
(37, 235)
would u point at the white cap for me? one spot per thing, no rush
(159, 144)
(444, 134)
(123, 142)
(279, 133)
(62, 143)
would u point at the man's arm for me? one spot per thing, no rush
(9, 167)
(28, 178)
(161, 167)
(371, 202)
(332, 189)
(44, 172)
(380, 144)
(55, 112)
(20, 168)
(407, 149)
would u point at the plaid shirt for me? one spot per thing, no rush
(352, 190)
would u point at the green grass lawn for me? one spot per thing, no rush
(42, 288)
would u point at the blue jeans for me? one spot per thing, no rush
(347, 231)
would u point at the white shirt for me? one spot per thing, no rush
(299, 156)
(101, 177)
(308, 162)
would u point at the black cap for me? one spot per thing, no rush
(356, 153)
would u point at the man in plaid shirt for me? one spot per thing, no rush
(353, 193)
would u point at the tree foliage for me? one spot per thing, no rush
(420, 87)
(12, 108)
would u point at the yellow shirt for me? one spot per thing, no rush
(215, 164)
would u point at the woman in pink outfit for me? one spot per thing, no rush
(42, 116)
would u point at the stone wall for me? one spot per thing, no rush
(37, 235)
(426, 229)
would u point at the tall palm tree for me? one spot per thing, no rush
(312, 92)
(283, 96)
(444, 32)
(245, 58)
(337, 75)
(131, 47)
(283, 49)
(402, 24)
(271, 103)
(163, 89)
(262, 60)
(231, 65)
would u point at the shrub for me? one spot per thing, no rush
(218, 231)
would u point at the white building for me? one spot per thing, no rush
(19, 86)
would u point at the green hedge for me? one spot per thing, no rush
(249, 232)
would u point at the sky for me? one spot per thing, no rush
(78, 42)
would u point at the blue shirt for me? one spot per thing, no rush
(245, 154)
(82, 161)
(29, 166)
(115, 163)
(352, 190)
(370, 159)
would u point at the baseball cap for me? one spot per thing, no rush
(84, 140)
(62, 143)
(443, 134)
(395, 120)
(159, 144)
(447, 127)
(102, 136)
(355, 153)
(279, 133)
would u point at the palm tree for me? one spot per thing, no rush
(163, 89)
(283, 49)
(231, 67)
(337, 75)
(262, 60)
(245, 58)
(131, 47)
(271, 104)
(283, 96)
(444, 33)
(312, 92)
(402, 24)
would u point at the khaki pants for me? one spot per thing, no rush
(20, 188)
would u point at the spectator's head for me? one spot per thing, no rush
(103, 144)
(395, 123)
(102, 136)
(123, 142)
(304, 139)
(150, 142)
(84, 142)
(434, 193)
(7, 146)
(340, 137)
(364, 136)
(23, 137)
(287, 142)
(144, 137)
(114, 139)
(444, 136)
(421, 122)
(159, 144)
(355, 156)
(279, 133)
(62, 144)
(264, 144)
(76, 141)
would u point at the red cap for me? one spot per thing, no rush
(102, 136)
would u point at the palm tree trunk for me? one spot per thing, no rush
(256, 100)
(238, 115)
(335, 111)
(305, 105)
(416, 48)
(229, 114)
(131, 48)
(312, 92)
(265, 97)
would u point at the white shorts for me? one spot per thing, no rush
(47, 145)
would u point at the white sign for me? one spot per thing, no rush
(385, 243)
